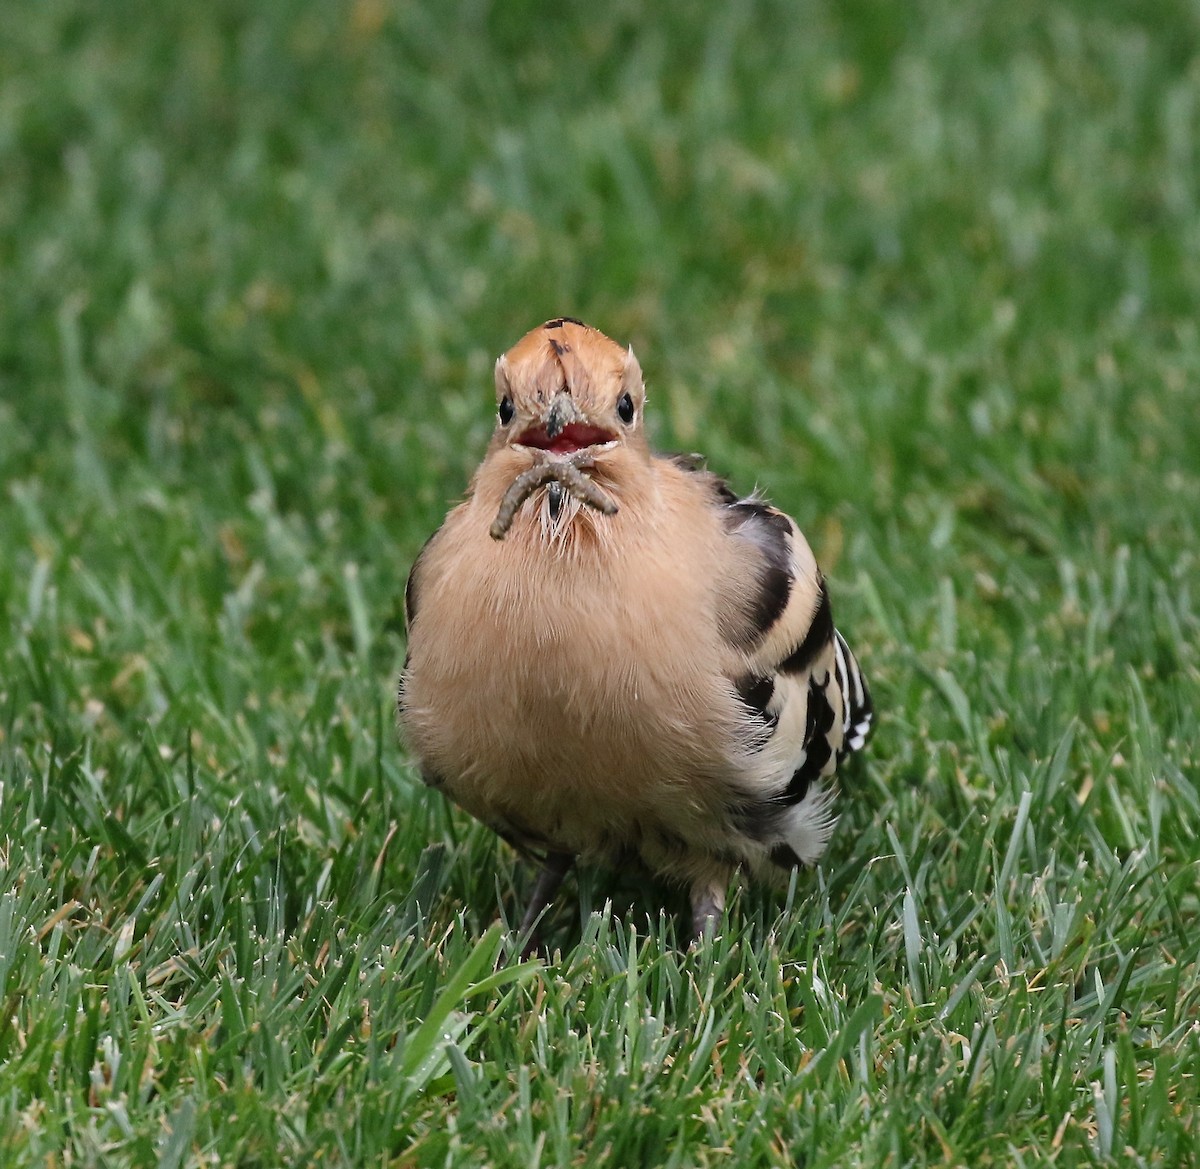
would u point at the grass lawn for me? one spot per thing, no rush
(927, 273)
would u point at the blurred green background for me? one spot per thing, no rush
(927, 274)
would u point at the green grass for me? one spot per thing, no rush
(926, 273)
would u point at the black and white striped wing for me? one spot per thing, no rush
(803, 686)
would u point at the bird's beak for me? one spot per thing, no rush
(562, 412)
(564, 428)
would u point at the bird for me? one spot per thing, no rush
(615, 660)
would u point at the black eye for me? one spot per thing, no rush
(507, 410)
(625, 408)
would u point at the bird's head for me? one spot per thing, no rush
(565, 388)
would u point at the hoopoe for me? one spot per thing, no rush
(613, 658)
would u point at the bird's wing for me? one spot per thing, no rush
(412, 586)
(412, 597)
(802, 685)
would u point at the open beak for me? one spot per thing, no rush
(564, 429)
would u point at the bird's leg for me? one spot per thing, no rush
(708, 903)
(553, 871)
(567, 473)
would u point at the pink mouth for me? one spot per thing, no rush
(575, 436)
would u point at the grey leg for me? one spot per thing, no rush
(552, 874)
(708, 903)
